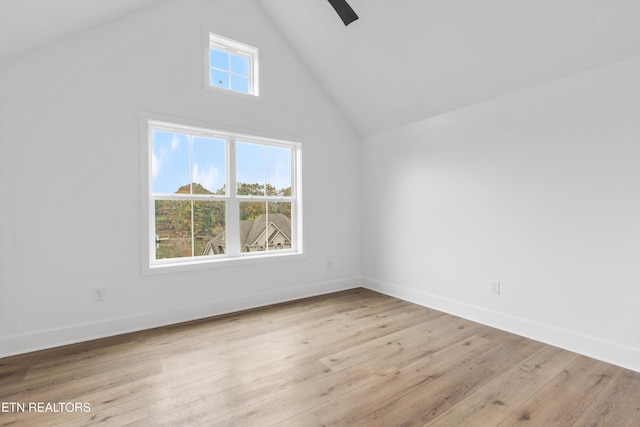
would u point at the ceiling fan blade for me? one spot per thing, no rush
(344, 11)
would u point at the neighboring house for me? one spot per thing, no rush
(256, 235)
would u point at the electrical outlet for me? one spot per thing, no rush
(495, 288)
(329, 264)
(99, 294)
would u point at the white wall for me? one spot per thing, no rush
(70, 175)
(539, 190)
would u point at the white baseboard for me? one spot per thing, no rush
(596, 348)
(19, 344)
(606, 351)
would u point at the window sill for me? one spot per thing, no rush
(233, 94)
(221, 262)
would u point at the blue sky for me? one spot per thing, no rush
(255, 163)
(228, 71)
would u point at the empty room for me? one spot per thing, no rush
(320, 213)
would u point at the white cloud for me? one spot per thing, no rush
(280, 175)
(174, 142)
(207, 177)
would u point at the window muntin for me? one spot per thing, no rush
(188, 173)
(232, 65)
(264, 176)
(183, 228)
(193, 216)
(263, 169)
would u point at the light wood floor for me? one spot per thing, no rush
(349, 358)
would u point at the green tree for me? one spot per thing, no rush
(174, 222)
(245, 189)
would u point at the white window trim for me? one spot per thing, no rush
(152, 266)
(211, 39)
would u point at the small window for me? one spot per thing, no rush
(232, 65)
(215, 195)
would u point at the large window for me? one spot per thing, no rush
(216, 195)
(232, 65)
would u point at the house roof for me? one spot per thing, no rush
(251, 231)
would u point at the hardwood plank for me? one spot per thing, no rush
(277, 407)
(234, 393)
(509, 350)
(431, 398)
(350, 358)
(216, 379)
(408, 338)
(119, 415)
(492, 403)
(78, 390)
(306, 419)
(617, 405)
(563, 399)
(366, 400)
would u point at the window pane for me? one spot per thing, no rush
(209, 172)
(209, 228)
(237, 60)
(173, 229)
(169, 161)
(219, 79)
(250, 169)
(218, 59)
(279, 231)
(239, 84)
(253, 223)
(278, 165)
(240, 65)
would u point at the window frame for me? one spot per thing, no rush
(234, 47)
(233, 255)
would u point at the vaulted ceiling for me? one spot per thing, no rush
(403, 60)
(28, 25)
(406, 60)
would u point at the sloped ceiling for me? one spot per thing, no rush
(28, 25)
(403, 60)
(406, 60)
